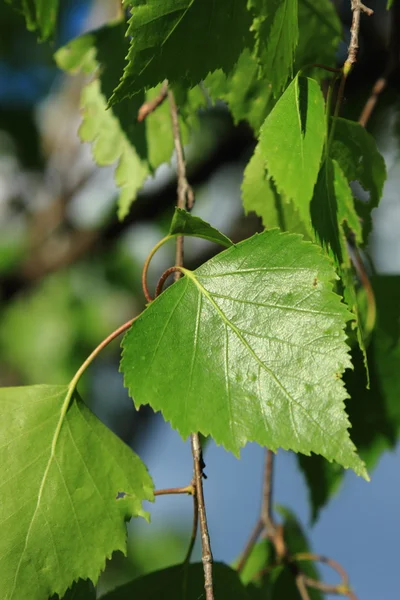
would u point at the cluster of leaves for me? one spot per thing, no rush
(260, 326)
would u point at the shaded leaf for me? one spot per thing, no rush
(374, 413)
(80, 590)
(184, 223)
(291, 142)
(204, 37)
(40, 15)
(265, 581)
(262, 336)
(356, 152)
(62, 472)
(181, 583)
(320, 31)
(247, 93)
(276, 31)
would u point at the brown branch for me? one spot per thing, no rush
(266, 509)
(357, 7)
(189, 489)
(206, 555)
(151, 105)
(185, 201)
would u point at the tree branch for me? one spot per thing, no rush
(357, 7)
(185, 201)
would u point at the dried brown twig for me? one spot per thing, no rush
(151, 105)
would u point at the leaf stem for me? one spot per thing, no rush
(146, 266)
(151, 105)
(251, 542)
(74, 381)
(164, 278)
(189, 489)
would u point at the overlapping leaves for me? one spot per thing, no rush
(261, 351)
(374, 413)
(182, 40)
(69, 484)
(115, 133)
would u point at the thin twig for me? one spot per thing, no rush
(206, 555)
(255, 534)
(301, 586)
(189, 489)
(327, 561)
(357, 7)
(185, 201)
(151, 105)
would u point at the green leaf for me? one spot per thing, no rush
(374, 413)
(181, 582)
(262, 336)
(40, 15)
(389, 4)
(291, 142)
(247, 93)
(320, 32)
(260, 196)
(276, 30)
(181, 40)
(356, 152)
(63, 473)
(115, 133)
(184, 223)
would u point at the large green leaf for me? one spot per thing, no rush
(181, 583)
(374, 413)
(40, 15)
(261, 196)
(184, 223)
(360, 160)
(69, 485)
(276, 30)
(181, 40)
(291, 142)
(115, 133)
(261, 351)
(247, 92)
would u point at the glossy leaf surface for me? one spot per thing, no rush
(261, 351)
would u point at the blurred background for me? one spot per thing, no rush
(70, 274)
